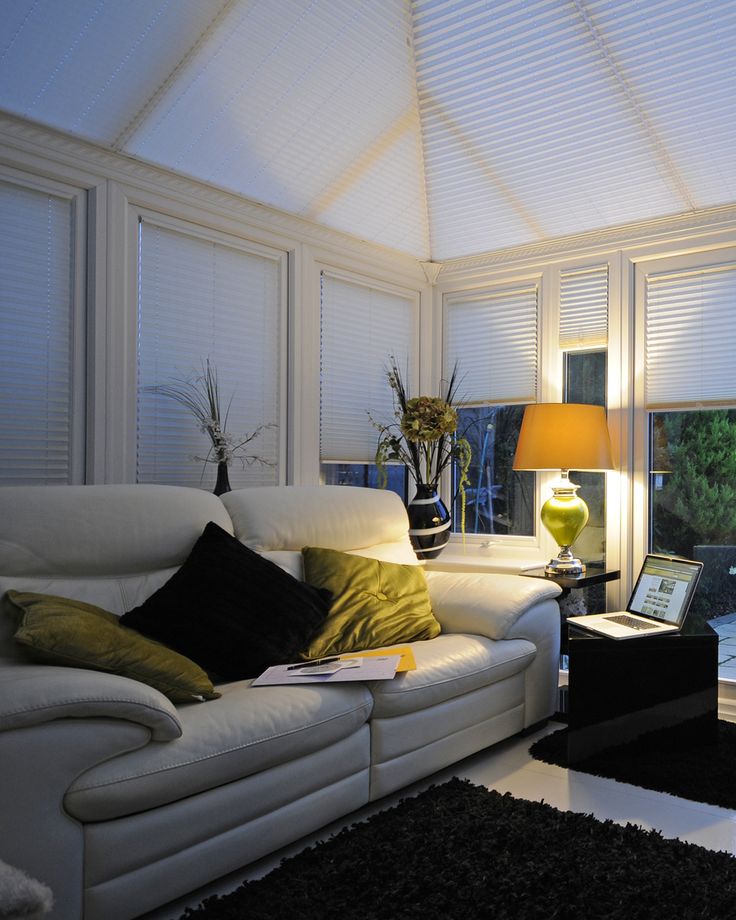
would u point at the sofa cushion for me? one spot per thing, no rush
(230, 610)
(248, 730)
(58, 630)
(374, 603)
(371, 521)
(448, 667)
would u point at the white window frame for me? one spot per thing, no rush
(122, 326)
(80, 455)
(641, 268)
(412, 296)
(508, 546)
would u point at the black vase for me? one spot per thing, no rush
(429, 523)
(223, 480)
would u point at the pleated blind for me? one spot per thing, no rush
(362, 326)
(536, 115)
(36, 303)
(200, 299)
(493, 338)
(584, 308)
(690, 338)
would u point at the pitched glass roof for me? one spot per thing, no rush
(442, 128)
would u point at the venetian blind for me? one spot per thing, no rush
(201, 299)
(36, 308)
(689, 337)
(362, 326)
(584, 308)
(493, 337)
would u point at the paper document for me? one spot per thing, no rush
(406, 662)
(378, 667)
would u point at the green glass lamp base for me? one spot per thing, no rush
(565, 515)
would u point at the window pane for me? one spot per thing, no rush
(585, 377)
(36, 303)
(361, 328)
(498, 499)
(585, 382)
(492, 336)
(200, 300)
(364, 474)
(689, 341)
(692, 499)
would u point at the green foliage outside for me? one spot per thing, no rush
(697, 503)
(693, 499)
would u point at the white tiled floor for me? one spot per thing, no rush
(726, 629)
(507, 767)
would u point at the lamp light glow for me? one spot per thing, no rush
(564, 436)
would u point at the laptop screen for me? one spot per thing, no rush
(665, 588)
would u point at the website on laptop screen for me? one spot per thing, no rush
(663, 589)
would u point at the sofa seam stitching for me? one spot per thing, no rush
(90, 699)
(446, 680)
(240, 747)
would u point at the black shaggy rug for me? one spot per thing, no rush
(460, 852)
(659, 760)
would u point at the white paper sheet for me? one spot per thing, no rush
(373, 668)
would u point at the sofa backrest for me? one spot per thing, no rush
(110, 545)
(114, 545)
(278, 521)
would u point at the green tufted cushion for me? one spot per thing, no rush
(57, 630)
(374, 603)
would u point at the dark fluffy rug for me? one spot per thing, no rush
(460, 852)
(702, 773)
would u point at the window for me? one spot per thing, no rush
(492, 335)
(366, 476)
(362, 326)
(690, 396)
(498, 500)
(200, 299)
(42, 427)
(583, 339)
(585, 382)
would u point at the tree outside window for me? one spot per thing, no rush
(693, 499)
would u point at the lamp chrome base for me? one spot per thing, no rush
(565, 564)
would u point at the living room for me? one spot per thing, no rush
(541, 194)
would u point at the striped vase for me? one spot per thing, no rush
(429, 523)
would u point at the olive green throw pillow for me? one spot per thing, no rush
(57, 630)
(374, 603)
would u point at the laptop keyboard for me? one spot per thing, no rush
(623, 620)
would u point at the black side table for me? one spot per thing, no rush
(623, 688)
(568, 583)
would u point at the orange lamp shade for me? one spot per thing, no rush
(563, 436)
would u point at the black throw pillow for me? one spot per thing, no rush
(230, 610)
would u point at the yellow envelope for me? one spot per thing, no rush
(406, 663)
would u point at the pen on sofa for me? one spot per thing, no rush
(312, 664)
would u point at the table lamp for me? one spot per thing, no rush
(564, 436)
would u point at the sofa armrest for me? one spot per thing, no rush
(484, 603)
(31, 694)
(506, 607)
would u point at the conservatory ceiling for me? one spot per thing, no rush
(441, 128)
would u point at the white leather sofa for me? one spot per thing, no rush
(121, 801)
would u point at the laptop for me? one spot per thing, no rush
(658, 604)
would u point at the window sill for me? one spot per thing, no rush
(476, 558)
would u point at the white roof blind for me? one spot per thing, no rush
(362, 327)
(201, 299)
(584, 307)
(690, 337)
(536, 115)
(493, 337)
(36, 301)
